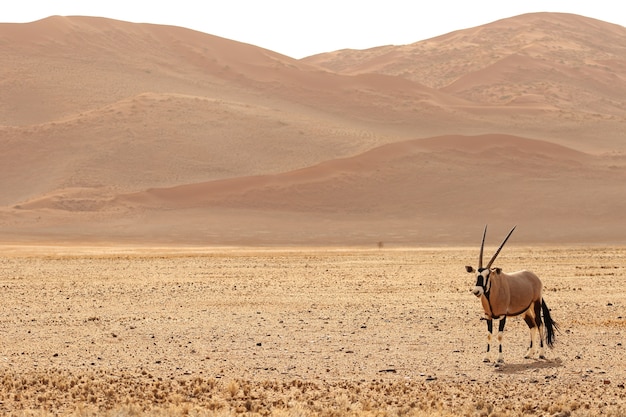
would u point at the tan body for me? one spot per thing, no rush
(511, 294)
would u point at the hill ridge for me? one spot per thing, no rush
(94, 110)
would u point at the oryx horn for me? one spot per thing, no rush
(482, 245)
(495, 255)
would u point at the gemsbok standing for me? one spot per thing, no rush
(504, 295)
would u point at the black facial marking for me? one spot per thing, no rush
(479, 281)
(482, 281)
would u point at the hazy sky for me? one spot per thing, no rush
(299, 28)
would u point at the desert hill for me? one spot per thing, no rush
(567, 67)
(114, 131)
(110, 100)
(510, 53)
(454, 181)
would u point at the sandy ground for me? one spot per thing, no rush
(160, 331)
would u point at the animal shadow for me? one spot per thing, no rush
(515, 368)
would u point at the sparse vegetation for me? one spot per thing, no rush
(299, 333)
(103, 394)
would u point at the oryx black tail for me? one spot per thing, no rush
(550, 324)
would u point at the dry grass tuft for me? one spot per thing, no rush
(94, 394)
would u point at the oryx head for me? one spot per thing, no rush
(483, 283)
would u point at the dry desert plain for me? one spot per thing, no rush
(131, 133)
(335, 332)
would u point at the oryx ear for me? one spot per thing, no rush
(498, 270)
(469, 269)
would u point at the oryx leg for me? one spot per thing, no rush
(532, 326)
(500, 337)
(535, 325)
(540, 328)
(487, 357)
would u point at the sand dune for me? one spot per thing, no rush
(424, 191)
(569, 66)
(119, 131)
(382, 170)
(157, 139)
(137, 106)
(430, 182)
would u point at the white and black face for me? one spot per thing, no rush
(482, 280)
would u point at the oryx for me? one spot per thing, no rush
(503, 295)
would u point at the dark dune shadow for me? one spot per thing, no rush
(514, 368)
